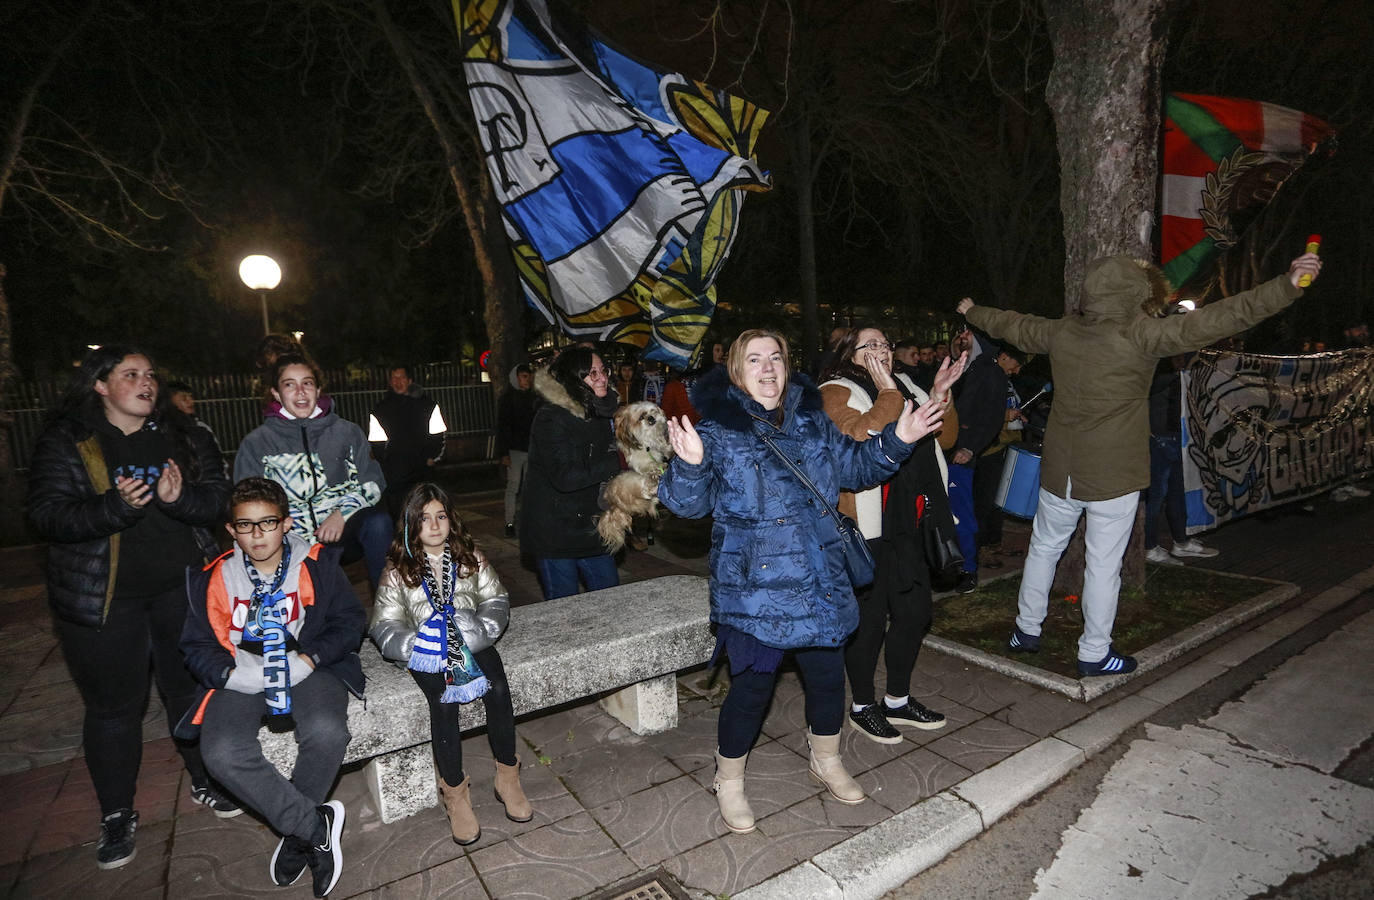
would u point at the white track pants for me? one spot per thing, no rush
(1108, 531)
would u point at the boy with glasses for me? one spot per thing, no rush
(273, 631)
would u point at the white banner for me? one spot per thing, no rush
(1259, 431)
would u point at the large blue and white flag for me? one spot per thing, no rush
(620, 185)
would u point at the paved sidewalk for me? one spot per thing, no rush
(610, 804)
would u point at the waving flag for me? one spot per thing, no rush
(620, 185)
(1223, 160)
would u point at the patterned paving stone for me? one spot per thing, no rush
(692, 744)
(663, 821)
(731, 864)
(454, 880)
(909, 779)
(72, 872)
(602, 774)
(1042, 713)
(986, 691)
(981, 744)
(573, 730)
(818, 823)
(557, 862)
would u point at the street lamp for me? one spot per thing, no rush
(261, 274)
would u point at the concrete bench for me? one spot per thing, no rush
(627, 643)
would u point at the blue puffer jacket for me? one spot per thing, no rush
(777, 572)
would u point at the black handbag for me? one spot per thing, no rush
(858, 559)
(939, 542)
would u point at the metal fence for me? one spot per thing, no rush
(231, 406)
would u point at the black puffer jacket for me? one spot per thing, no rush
(571, 455)
(82, 522)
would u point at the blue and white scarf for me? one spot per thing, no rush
(439, 644)
(268, 612)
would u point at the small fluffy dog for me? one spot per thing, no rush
(641, 430)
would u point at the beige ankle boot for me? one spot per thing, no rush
(458, 804)
(829, 770)
(511, 794)
(729, 788)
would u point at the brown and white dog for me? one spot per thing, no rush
(641, 430)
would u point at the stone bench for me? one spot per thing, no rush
(627, 643)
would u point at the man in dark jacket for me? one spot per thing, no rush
(982, 408)
(406, 431)
(1096, 456)
(513, 418)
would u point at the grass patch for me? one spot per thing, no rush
(1174, 598)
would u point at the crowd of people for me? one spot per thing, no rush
(896, 439)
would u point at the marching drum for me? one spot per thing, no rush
(1019, 492)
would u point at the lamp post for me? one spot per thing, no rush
(261, 274)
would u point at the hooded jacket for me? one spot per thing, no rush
(777, 571)
(572, 454)
(1097, 439)
(75, 507)
(323, 463)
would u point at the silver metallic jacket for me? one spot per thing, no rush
(480, 601)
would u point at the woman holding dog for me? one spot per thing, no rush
(862, 396)
(572, 452)
(778, 578)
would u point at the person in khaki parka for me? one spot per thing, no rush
(1096, 453)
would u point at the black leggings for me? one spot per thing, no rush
(894, 621)
(445, 729)
(741, 715)
(110, 669)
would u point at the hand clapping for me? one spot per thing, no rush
(685, 440)
(918, 421)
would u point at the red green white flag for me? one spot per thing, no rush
(1223, 156)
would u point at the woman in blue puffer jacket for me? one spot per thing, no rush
(778, 580)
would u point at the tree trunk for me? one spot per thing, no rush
(1104, 91)
(11, 504)
(501, 305)
(799, 139)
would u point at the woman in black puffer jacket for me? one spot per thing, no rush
(118, 485)
(572, 453)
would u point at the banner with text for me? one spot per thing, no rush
(1259, 431)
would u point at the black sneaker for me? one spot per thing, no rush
(289, 860)
(870, 722)
(968, 583)
(1112, 664)
(510, 530)
(115, 847)
(1020, 642)
(216, 802)
(326, 857)
(914, 715)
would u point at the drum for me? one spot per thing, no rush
(1019, 492)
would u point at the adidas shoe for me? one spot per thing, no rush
(1020, 642)
(913, 715)
(115, 846)
(1192, 548)
(216, 802)
(1160, 556)
(872, 724)
(1112, 664)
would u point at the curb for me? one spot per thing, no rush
(889, 854)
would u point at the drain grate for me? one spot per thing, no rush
(653, 885)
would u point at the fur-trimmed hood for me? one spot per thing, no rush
(718, 399)
(550, 391)
(1120, 287)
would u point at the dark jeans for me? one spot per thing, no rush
(559, 576)
(741, 715)
(987, 478)
(229, 736)
(1166, 490)
(110, 669)
(367, 535)
(444, 727)
(891, 620)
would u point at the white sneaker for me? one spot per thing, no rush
(1193, 548)
(1159, 555)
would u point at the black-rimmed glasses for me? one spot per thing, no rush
(244, 526)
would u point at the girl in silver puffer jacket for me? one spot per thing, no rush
(439, 611)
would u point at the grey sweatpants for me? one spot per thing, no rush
(230, 748)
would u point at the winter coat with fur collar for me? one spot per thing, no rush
(777, 571)
(571, 455)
